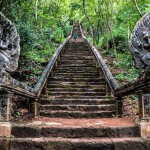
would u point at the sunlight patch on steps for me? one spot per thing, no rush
(45, 123)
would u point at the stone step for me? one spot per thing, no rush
(75, 83)
(75, 76)
(74, 57)
(44, 130)
(68, 89)
(45, 101)
(77, 69)
(88, 62)
(77, 114)
(67, 85)
(81, 76)
(63, 70)
(78, 73)
(98, 80)
(67, 75)
(80, 56)
(76, 50)
(77, 61)
(72, 93)
(89, 108)
(85, 97)
(76, 53)
(78, 144)
(75, 65)
(79, 45)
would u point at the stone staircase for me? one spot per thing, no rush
(76, 112)
(75, 88)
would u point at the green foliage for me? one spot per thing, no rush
(120, 37)
(128, 75)
(27, 35)
(44, 24)
(124, 61)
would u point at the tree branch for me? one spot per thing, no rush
(137, 7)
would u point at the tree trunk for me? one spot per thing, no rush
(84, 10)
(36, 10)
(137, 7)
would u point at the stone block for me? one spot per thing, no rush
(145, 129)
(5, 129)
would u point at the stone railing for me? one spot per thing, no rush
(111, 84)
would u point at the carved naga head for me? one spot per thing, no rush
(140, 43)
(9, 45)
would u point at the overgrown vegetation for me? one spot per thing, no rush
(44, 24)
(110, 24)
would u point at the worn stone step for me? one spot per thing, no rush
(76, 97)
(77, 69)
(77, 114)
(64, 101)
(79, 144)
(88, 68)
(68, 85)
(76, 79)
(75, 76)
(76, 65)
(76, 53)
(44, 130)
(80, 56)
(72, 93)
(81, 62)
(68, 89)
(63, 70)
(76, 50)
(106, 107)
(74, 57)
(75, 83)
(77, 73)
(79, 45)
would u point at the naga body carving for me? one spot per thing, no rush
(9, 45)
(140, 43)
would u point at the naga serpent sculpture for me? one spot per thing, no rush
(9, 45)
(9, 54)
(140, 43)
